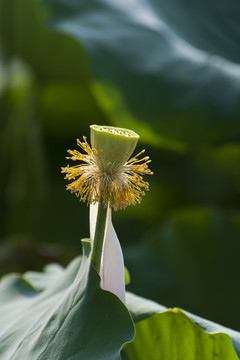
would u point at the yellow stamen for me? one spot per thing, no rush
(118, 188)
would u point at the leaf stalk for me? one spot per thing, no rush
(99, 236)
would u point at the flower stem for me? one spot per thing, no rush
(99, 236)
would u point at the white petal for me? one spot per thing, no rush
(112, 270)
(112, 264)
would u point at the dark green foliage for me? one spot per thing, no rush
(168, 70)
(64, 315)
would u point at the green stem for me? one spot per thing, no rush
(99, 236)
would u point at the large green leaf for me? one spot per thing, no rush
(172, 336)
(191, 259)
(71, 319)
(156, 65)
(175, 335)
(56, 316)
(141, 53)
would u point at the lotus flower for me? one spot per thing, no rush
(107, 179)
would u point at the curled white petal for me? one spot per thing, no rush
(112, 263)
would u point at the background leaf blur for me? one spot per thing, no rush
(167, 70)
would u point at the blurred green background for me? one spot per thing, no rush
(167, 70)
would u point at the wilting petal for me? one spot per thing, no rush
(112, 264)
(112, 261)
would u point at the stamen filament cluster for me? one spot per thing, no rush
(118, 187)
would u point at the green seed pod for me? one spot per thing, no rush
(114, 146)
